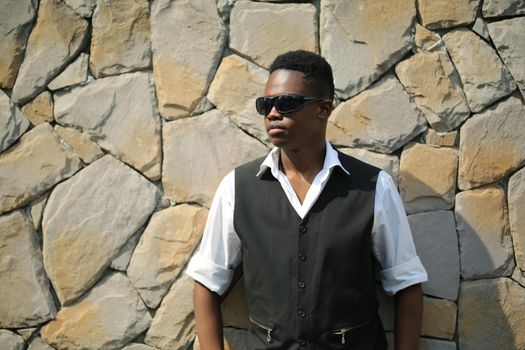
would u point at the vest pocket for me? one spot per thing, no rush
(264, 328)
(342, 333)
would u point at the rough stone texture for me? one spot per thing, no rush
(121, 261)
(74, 74)
(120, 114)
(483, 228)
(435, 87)
(37, 210)
(516, 200)
(27, 333)
(164, 248)
(108, 317)
(11, 341)
(120, 41)
(365, 117)
(386, 162)
(235, 311)
(519, 277)
(24, 288)
(497, 8)
(88, 219)
(234, 89)
(371, 35)
(492, 144)
(439, 14)
(194, 176)
(39, 344)
(480, 27)
(435, 344)
(433, 138)
(429, 187)
(509, 38)
(83, 7)
(426, 40)
(499, 324)
(57, 24)
(256, 30)
(192, 59)
(13, 123)
(485, 79)
(138, 347)
(437, 246)
(80, 143)
(439, 318)
(40, 110)
(32, 166)
(16, 19)
(173, 325)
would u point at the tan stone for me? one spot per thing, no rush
(108, 317)
(74, 74)
(137, 346)
(485, 242)
(37, 210)
(254, 28)
(516, 200)
(27, 333)
(435, 87)
(372, 35)
(173, 325)
(336, 135)
(40, 109)
(183, 68)
(490, 315)
(83, 7)
(429, 187)
(439, 14)
(88, 219)
(365, 116)
(193, 167)
(33, 166)
(234, 89)
(235, 311)
(436, 344)
(164, 249)
(16, 19)
(80, 143)
(492, 144)
(485, 79)
(38, 344)
(120, 114)
(11, 341)
(120, 41)
(439, 318)
(446, 139)
(13, 123)
(57, 24)
(480, 27)
(121, 261)
(388, 163)
(426, 40)
(497, 8)
(24, 287)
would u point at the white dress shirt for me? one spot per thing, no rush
(219, 253)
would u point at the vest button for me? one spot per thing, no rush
(302, 229)
(302, 342)
(301, 314)
(302, 285)
(302, 257)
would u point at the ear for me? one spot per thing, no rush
(325, 109)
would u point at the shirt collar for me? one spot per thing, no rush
(331, 160)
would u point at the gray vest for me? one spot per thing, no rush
(310, 282)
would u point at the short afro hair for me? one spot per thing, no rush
(317, 71)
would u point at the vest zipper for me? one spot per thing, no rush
(266, 328)
(342, 332)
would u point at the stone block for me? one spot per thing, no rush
(73, 74)
(516, 200)
(446, 139)
(439, 318)
(500, 8)
(40, 109)
(11, 341)
(13, 123)
(80, 143)
(440, 14)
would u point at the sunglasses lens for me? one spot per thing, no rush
(288, 103)
(263, 105)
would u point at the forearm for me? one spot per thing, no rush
(208, 318)
(409, 309)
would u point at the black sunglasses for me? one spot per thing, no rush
(284, 104)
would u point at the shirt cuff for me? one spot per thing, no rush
(214, 277)
(403, 275)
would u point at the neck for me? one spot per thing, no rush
(307, 161)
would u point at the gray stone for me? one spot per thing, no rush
(516, 200)
(500, 323)
(121, 261)
(480, 27)
(38, 344)
(40, 109)
(437, 246)
(499, 8)
(436, 344)
(136, 346)
(439, 318)
(83, 7)
(193, 167)
(509, 38)
(11, 341)
(80, 143)
(16, 19)
(519, 277)
(485, 242)
(88, 219)
(254, 28)
(27, 333)
(439, 14)
(120, 114)
(57, 24)
(13, 123)
(120, 41)
(32, 166)
(74, 74)
(388, 163)
(37, 210)
(184, 68)
(373, 36)
(24, 287)
(434, 85)
(108, 317)
(492, 144)
(485, 79)
(365, 116)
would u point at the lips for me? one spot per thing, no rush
(275, 126)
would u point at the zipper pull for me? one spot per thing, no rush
(343, 340)
(269, 335)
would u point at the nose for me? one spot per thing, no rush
(274, 114)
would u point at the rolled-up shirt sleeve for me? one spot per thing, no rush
(393, 245)
(219, 253)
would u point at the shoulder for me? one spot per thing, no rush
(249, 168)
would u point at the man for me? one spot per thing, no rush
(307, 222)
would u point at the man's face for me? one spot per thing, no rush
(307, 124)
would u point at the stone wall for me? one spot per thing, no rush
(118, 118)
